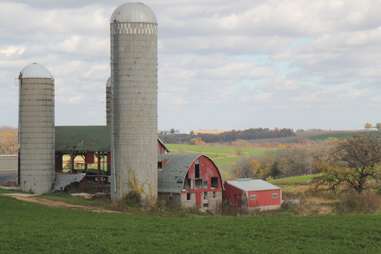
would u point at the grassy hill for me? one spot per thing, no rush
(223, 155)
(30, 228)
(327, 135)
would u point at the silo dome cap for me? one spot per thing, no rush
(133, 12)
(35, 70)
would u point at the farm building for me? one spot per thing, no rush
(8, 169)
(8, 162)
(53, 157)
(190, 181)
(78, 149)
(252, 194)
(92, 144)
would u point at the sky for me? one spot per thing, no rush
(222, 64)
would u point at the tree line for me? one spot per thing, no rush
(228, 136)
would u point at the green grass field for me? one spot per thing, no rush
(295, 180)
(223, 155)
(30, 228)
(329, 135)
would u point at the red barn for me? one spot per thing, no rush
(190, 181)
(252, 194)
(162, 147)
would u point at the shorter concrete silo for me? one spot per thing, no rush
(36, 129)
(108, 102)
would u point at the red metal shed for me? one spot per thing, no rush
(252, 194)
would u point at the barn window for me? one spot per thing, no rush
(205, 184)
(187, 184)
(205, 205)
(197, 170)
(198, 183)
(159, 164)
(205, 195)
(253, 197)
(275, 195)
(214, 194)
(188, 196)
(214, 182)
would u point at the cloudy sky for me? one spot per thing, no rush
(222, 64)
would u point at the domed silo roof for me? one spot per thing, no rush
(35, 70)
(133, 12)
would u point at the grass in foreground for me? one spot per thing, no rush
(29, 228)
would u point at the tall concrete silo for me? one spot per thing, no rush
(36, 129)
(108, 102)
(134, 110)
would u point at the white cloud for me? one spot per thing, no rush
(297, 63)
(12, 51)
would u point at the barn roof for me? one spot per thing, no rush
(82, 139)
(248, 184)
(175, 168)
(163, 145)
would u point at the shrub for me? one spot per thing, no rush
(197, 141)
(133, 198)
(366, 202)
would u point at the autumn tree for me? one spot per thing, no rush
(197, 141)
(247, 168)
(8, 141)
(354, 162)
(368, 126)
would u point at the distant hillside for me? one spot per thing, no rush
(227, 136)
(326, 135)
(8, 140)
(260, 136)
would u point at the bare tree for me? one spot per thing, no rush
(354, 162)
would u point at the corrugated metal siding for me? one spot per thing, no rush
(8, 162)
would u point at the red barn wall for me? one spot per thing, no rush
(264, 198)
(233, 195)
(161, 148)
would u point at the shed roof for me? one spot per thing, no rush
(172, 175)
(248, 184)
(82, 139)
(163, 145)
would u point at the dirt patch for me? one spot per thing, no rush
(54, 203)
